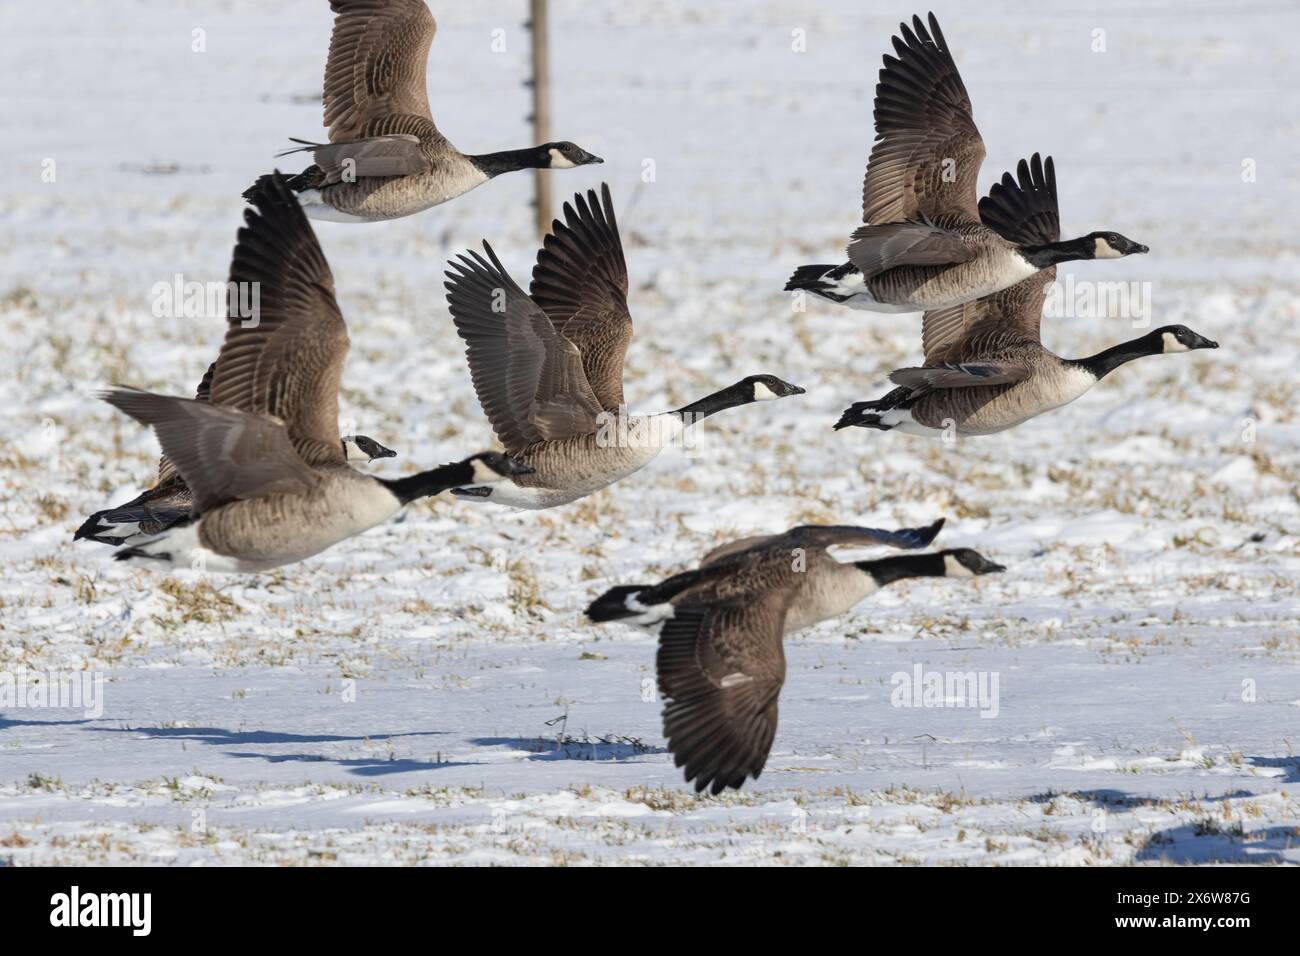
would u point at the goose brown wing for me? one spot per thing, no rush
(928, 151)
(580, 281)
(966, 375)
(821, 537)
(723, 551)
(166, 470)
(721, 667)
(375, 75)
(222, 453)
(848, 536)
(286, 359)
(875, 249)
(528, 377)
(391, 154)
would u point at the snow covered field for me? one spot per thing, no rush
(429, 692)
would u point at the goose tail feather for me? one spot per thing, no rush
(617, 603)
(809, 279)
(863, 415)
(309, 178)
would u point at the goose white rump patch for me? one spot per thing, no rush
(901, 419)
(856, 296)
(180, 548)
(648, 616)
(316, 208)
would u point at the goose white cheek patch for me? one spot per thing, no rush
(1171, 344)
(1104, 250)
(484, 475)
(763, 394)
(559, 160)
(955, 569)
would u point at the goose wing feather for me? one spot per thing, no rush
(375, 75)
(735, 547)
(286, 360)
(166, 470)
(222, 453)
(928, 151)
(580, 281)
(830, 536)
(721, 667)
(528, 377)
(958, 376)
(392, 154)
(822, 537)
(875, 249)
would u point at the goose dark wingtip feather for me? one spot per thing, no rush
(1024, 209)
(935, 31)
(925, 536)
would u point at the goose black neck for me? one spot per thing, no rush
(510, 160)
(889, 570)
(428, 483)
(1049, 254)
(1103, 363)
(742, 393)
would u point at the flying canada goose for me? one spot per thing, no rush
(986, 369)
(262, 457)
(169, 501)
(385, 158)
(924, 245)
(721, 660)
(547, 365)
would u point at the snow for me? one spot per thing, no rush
(429, 692)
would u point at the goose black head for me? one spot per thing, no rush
(490, 466)
(966, 563)
(364, 448)
(766, 388)
(1111, 245)
(566, 155)
(1179, 338)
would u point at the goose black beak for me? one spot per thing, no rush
(977, 564)
(1140, 249)
(797, 390)
(383, 453)
(1203, 343)
(592, 160)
